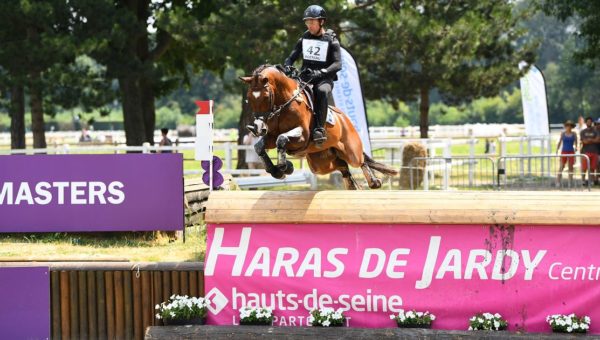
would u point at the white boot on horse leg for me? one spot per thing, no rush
(282, 140)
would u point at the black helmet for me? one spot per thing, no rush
(314, 12)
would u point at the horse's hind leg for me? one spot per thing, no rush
(282, 141)
(349, 181)
(374, 182)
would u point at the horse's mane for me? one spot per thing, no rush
(262, 67)
(259, 69)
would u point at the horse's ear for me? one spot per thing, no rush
(246, 80)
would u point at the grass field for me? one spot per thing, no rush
(135, 247)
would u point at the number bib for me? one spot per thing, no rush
(315, 50)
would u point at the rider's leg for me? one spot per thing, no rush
(322, 91)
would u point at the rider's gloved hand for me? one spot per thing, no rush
(288, 69)
(316, 74)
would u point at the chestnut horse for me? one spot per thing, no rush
(283, 118)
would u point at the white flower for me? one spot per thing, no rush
(497, 315)
(172, 314)
(472, 319)
(158, 316)
(432, 317)
(410, 314)
(569, 329)
(569, 321)
(419, 314)
(576, 326)
(157, 307)
(497, 324)
(326, 323)
(587, 319)
(470, 328)
(392, 317)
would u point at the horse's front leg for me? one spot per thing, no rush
(282, 141)
(261, 150)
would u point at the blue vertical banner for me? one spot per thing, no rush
(348, 97)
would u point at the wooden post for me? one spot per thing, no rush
(65, 313)
(55, 303)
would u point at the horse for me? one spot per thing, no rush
(283, 118)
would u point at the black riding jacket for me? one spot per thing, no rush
(318, 53)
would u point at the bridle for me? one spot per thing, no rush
(275, 110)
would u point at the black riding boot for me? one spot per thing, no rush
(319, 133)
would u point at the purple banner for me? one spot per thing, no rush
(67, 193)
(25, 296)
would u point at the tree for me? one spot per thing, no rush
(143, 44)
(465, 49)
(588, 30)
(246, 34)
(32, 35)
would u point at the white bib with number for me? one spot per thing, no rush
(315, 50)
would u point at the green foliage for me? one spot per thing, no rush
(587, 14)
(464, 49)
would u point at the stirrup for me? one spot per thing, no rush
(319, 136)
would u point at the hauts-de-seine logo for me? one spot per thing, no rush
(218, 301)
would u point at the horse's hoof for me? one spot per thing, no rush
(289, 168)
(277, 173)
(375, 183)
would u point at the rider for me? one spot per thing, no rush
(321, 60)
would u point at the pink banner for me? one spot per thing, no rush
(371, 271)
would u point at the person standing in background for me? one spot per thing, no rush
(568, 140)
(589, 139)
(165, 141)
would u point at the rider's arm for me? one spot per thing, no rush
(336, 54)
(295, 54)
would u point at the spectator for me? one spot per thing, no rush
(589, 140)
(252, 158)
(492, 147)
(597, 125)
(165, 141)
(568, 139)
(85, 136)
(487, 146)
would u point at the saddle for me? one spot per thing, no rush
(309, 94)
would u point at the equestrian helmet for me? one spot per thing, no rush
(314, 12)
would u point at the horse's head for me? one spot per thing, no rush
(261, 97)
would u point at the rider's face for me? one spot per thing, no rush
(313, 26)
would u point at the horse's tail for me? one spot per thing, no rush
(384, 169)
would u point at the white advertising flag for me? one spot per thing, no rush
(347, 94)
(535, 104)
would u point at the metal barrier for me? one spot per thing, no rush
(540, 172)
(453, 172)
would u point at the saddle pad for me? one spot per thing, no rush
(330, 116)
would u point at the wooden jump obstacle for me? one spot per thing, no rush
(494, 251)
(531, 208)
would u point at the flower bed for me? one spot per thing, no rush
(569, 323)
(487, 322)
(413, 319)
(183, 310)
(327, 317)
(256, 316)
